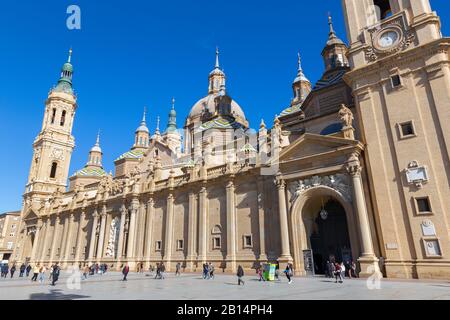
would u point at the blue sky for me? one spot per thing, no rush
(131, 54)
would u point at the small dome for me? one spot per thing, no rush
(67, 67)
(207, 103)
(142, 128)
(96, 148)
(217, 72)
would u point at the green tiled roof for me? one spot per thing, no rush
(132, 154)
(90, 172)
(220, 123)
(248, 148)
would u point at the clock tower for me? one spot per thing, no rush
(400, 78)
(54, 144)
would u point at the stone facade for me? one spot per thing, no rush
(346, 171)
(9, 227)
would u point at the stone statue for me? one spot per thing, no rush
(346, 116)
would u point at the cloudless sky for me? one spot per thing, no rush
(131, 54)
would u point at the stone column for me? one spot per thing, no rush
(148, 230)
(45, 236)
(169, 232)
(67, 251)
(36, 240)
(123, 217)
(261, 220)
(368, 260)
(192, 230)
(91, 255)
(131, 234)
(79, 247)
(63, 240)
(141, 232)
(284, 228)
(203, 234)
(55, 239)
(101, 237)
(231, 226)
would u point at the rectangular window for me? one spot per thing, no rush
(158, 245)
(396, 81)
(63, 118)
(248, 241)
(407, 129)
(53, 116)
(423, 205)
(217, 242)
(180, 245)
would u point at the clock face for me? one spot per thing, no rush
(388, 39)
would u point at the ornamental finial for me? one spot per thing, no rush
(330, 23)
(217, 58)
(70, 55)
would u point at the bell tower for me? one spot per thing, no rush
(54, 144)
(400, 79)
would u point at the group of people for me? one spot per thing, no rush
(208, 271)
(39, 272)
(288, 272)
(340, 270)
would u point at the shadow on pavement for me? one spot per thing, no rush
(56, 295)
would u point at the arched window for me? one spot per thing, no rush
(53, 115)
(384, 8)
(140, 141)
(63, 118)
(53, 170)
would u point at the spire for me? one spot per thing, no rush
(172, 123)
(216, 77)
(299, 63)
(300, 75)
(330, 23)
(217, 58)
(70, 55)
(95, 155)
(65, 81)
(157, 126)
(143, 125)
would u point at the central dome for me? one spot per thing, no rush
(207, 103)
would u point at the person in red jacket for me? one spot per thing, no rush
(125, 271)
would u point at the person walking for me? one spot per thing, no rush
(288, 273)
(211, 270)
(125, 272)
(158, 271)
(177, 269)
(13, 270)
(85, 272)
(338, 273)
(50, 276)
(260, 274)
(162, 270)
(240, 275)
(55, 274)
(42, 271)
(5, 270)
(343, 270)
(22, 270)
(28, 270)
(35, 272)
(353, 269)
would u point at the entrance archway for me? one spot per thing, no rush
(330, 236)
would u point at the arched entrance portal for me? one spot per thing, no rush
(331, 233)
(329, 237)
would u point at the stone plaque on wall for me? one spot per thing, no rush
(432, 248)
(428, 228)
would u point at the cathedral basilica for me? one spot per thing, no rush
(355, 168)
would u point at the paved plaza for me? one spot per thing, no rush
(223, 287)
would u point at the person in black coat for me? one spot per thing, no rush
(240, 274)
(28, 269)
(22, 270)
(125, 272)
(55, 274)
(13, 270)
